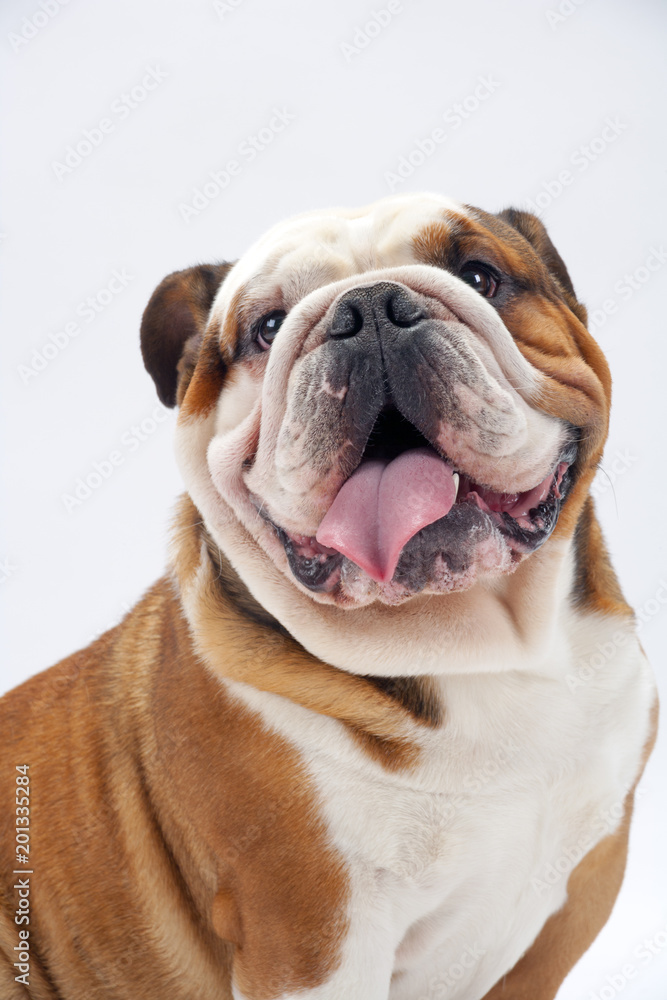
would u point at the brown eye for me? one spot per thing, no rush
(268, 327)
(480, 278)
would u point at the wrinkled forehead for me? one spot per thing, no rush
(316, 248)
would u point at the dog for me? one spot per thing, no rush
(357, 744)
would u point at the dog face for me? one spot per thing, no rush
(383, 404)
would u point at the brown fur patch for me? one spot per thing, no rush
(173, 325)
(231, 327)
(199, 396)
(533, 231)
(418, 695)
(451, 243)
(232, 585)
(544, 316)
(280, 890)
(156, 796)
(596, 586)
(577, 387)
(547, 324)
(271, 660)
(542, 325)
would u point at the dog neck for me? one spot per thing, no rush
(521, 622)
(237, 640)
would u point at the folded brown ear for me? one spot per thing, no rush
(532, 229)
(173, 325)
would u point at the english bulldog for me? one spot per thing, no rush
(352, 746)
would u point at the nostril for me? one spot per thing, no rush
(347, 321)
(403, 311)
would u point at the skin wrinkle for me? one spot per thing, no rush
(306, 326)
(419, 347)
(312, 446)
(590, 392)
(301, 399)
(445, 385)
(469, 385)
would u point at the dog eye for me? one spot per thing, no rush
(268, 327)
(480, 278)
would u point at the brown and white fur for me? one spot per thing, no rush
(284, 776)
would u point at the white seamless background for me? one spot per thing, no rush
(554, 105)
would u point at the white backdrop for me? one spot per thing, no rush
(124, 112)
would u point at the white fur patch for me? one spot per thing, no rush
(456, 866)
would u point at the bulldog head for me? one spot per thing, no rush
(382, 405)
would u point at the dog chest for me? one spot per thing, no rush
(458, 862)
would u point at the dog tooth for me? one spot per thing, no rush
(455, 477)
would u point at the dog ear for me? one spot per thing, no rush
(532, 229)
(173, 325)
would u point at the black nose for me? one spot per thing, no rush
(374, 306)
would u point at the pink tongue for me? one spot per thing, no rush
(383, 504)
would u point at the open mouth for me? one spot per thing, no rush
(403, 495)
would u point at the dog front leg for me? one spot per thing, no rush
(353, 959)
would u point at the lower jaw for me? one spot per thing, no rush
(446, 556)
